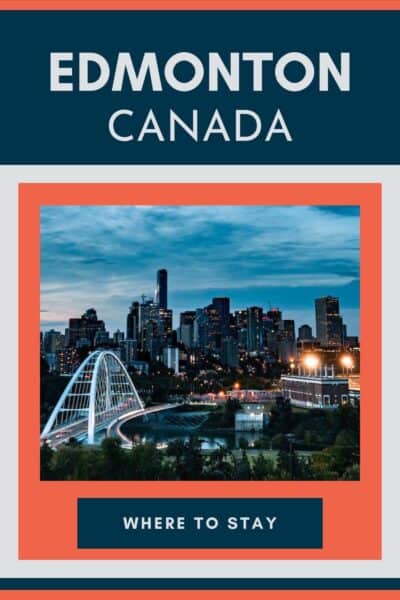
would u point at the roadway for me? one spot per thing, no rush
(78, 430)
(114, 428)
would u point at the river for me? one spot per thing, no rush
(182, 426)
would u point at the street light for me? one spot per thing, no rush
(311, 362)
(347, 363)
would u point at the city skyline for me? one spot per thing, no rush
(107, 257)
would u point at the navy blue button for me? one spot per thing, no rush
(200, 523)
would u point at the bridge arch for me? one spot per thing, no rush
(99, 391)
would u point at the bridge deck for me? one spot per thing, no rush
(111, 427)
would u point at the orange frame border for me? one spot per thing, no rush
(47, 510)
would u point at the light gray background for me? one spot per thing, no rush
(10, 566)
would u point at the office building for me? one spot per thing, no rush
(133, 322)
(305, 333)
(52, 341)
(170, 358)
(161, 296)
(250, 417)
(85, 327)
(316, 388)
(328, 321)
(68, 360)
(230, 352)
(118, 337)
(254, 329)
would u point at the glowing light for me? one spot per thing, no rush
(347, 362)
(236, 386)
(311, 362)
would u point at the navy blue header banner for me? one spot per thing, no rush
(200, 87)
(200, 523)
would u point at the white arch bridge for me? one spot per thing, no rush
(99, 397)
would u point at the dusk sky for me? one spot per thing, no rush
(107, 256)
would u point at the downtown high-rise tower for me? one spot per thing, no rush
(161, 296)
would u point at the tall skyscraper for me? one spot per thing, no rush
(187, 317)
(222, 304)
(240, 322)
(328, 321)
(254, 329)
(129, 350)
(155, 327)
(214, 328)
(170, 358)
(133, 322)
(186, 328)
(165, 323)
(162, 288)
(151, 339)
(287, 330)
(52, 341)
(218, 322)
(185, 335)
(287, 340)
(149, 311)
(200, 329)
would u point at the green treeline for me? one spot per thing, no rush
(185, 460)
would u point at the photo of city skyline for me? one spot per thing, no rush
(200, 342)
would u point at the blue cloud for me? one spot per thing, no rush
(106, 256)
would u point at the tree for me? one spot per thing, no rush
(344, 451)
(243, 443)
(160, 394)
(281, 418)
(288, 464)
(114, 459)
(283, 464)
(242, 469)
(90, 466)
(191, 464)
(218, 465)
(51, 388)
(145, 462)
(322, 467)
(176, 448)
(73, 442)
(352, 473)
(263, 468)
(65, 463)
(44, 366)
(188, 458)
(46, 456)
(193, 460)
